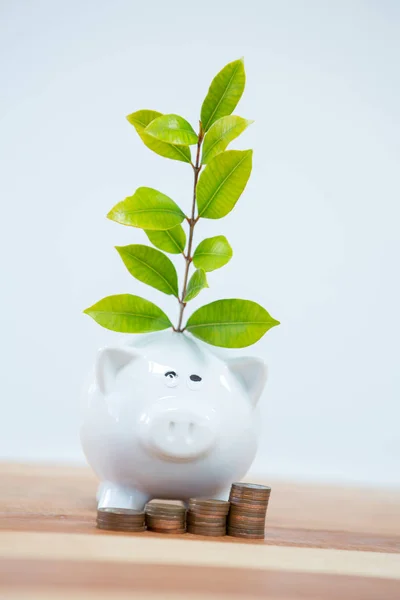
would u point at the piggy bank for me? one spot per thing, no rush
(165, 417)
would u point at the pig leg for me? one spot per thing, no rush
(111, 495)
(102, 486)
(223, 494)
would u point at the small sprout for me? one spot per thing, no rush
(219, 179)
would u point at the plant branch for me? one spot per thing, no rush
(192, 222)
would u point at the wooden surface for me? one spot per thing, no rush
(321, 543)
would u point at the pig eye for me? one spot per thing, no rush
(171, 379)
(195, 382)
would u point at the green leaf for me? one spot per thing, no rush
(221, 134)
(128, 314)
(230, 323)
(171, 240)
(140, 120)
(212, 253)
(197, 282)
(151, 267)
(224, 93)
(222, 182)
(147, 209)
(172, 129)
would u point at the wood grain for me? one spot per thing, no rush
(321, 542)
(62, 499)
(146, 548)
(179, 582)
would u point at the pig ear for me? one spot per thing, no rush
(109, 362)
(252, 372)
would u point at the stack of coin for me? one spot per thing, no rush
(207, 517)
(249, 503)
(120, 519)
(164, 517)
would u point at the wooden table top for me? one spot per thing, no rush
(321, 543)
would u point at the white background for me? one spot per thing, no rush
(315, 235)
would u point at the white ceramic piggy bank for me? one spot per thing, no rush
(167, 418)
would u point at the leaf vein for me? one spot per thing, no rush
(221, 137)
(150, 210)
(173, 240)
(212, 254)
(143, 262)
(223, 96)
(228, 323)
(223, 183)
(127, 314)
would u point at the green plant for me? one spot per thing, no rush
(231, 323)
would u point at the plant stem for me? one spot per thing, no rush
(192, 222)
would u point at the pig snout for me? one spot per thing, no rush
(180, 435)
